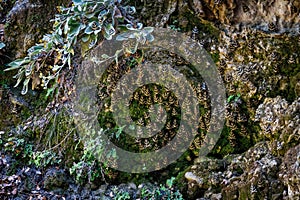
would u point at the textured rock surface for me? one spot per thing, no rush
(270, 16)
(290, 172)
(280, 122)
(251, 175)
(256, 47)
(27, 22)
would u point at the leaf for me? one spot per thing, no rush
(20, 78)
(29, 68)
(132, 127)
(122, 28)
(93, 43)
(66, 28)
(50, 91)
(97, 31)
(122, 37)
(103, 12)
(150, 38)
(107, 36)
(148, 29)
(85, 38)
(71, 50)
(230, 98)
(59, 30)
(69, 60)
(130, 27)
(2, 45)
(89, 15)
(139, 26)
(169, 182)
(77, 2)
(17, 63)
(105, 56)
(56, 68)
(74, 29)
(109, 29)
(130, 10)
(88, 30)
(119, 131)
(125, 36)
(25, 86)
(34, 50)
(141, 39)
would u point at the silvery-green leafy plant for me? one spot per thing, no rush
(86, 24)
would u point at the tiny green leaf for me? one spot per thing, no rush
(230, 98)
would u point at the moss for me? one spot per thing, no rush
(244, 192)
(222, 147)
(215, 57)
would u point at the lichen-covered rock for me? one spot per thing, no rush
(290, 173)
(55, 179)
(155, 13)
(270, 16)
(279, 121)
(251, 175)
(27, 22)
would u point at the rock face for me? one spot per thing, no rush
(55, 179)
(255, 45)
(155, 13)
(290, 172)
(27, 22)
(280, 122)
(252, 175)
(271, 16)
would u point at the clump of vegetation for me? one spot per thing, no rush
(89, 168)
(148, 191)
(22, 150)
(164, 191)
(85, 25)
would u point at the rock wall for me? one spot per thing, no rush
(255, 45)
(27, 22)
